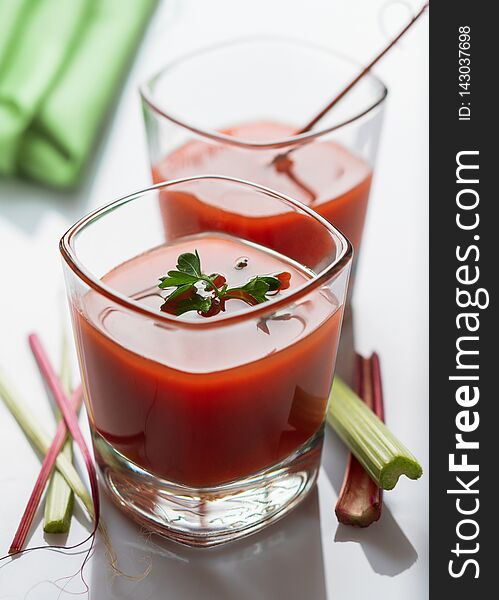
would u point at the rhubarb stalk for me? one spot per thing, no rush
(60, 497)
(42, 442)
(381, 454)
(70, 417)
(39, 487)
(360, 499)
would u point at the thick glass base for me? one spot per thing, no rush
(209, 516)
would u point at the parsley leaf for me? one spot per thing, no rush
(176, 278)
(209, 298)
(273, 283)
(201, 305)
(190, 264)
(257, 287)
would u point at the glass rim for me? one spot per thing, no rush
(69, 254)
(148, 96)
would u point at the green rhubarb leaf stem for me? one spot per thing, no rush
(381, 454)
(60, 497)
(41, 440)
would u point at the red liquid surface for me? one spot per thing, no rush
(203, 406)
(324, 175)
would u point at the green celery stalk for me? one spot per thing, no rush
(381, 454)
(41, 440)
(60, 499)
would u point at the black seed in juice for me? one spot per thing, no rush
(241, 263)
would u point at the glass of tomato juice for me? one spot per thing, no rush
(234, 108)
(206, 429)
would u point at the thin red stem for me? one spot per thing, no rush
(69, 416)
(45, 471)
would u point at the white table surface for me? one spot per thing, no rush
(306, 555)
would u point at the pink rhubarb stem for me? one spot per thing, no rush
(378, 407)
(360, 499)
(70, 417)
(45, 472)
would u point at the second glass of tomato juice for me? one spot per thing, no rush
(206, 355)
(232, 109)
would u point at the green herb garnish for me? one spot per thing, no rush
(207, 294)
